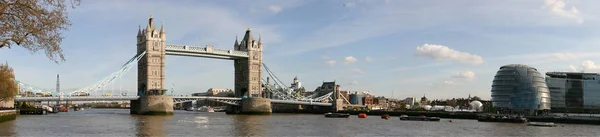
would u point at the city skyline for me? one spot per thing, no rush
(408, 48)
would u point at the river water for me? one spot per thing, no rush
(118, 122)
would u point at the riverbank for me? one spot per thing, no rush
(7, 115)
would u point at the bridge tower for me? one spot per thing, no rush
(151, 72)
(248, 75)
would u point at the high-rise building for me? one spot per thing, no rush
(520, 88)
(573, 91)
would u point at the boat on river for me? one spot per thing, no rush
(419, 118)
(506, 119)
(205, 109)
(541, 124)
(337, 115)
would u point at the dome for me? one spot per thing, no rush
(518, 86)
(475, 105)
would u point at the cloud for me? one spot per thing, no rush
(368, 59)
(349, 4)
(349, 60)
(358, 71)
(589, 65)
(330, 62)
(572, 68)
(275, 8)
(354, 82)
(325, 57)
(469, 75)
(558, 7)
(586, 66)
(441, 52)
(443, 84)
(563, 56)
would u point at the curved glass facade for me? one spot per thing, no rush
(518, 86)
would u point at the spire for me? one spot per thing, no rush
(162, 27)
(260, 38)
(247, 37)
(139, 30)
(150, 26)
(236, 41)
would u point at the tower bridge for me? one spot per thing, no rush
(150, 59)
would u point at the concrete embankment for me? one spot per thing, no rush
(454, 115)
(7, 115)
(567, 120)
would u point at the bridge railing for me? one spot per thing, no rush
(197, 49)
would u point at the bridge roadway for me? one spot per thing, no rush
(175, 99)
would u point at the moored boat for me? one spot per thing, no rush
(362, 115)
(385, 116)
(541, 124)
(419, 118)
(506, 119)
(337, 115)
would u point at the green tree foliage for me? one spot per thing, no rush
(8, 87)
(35, 25)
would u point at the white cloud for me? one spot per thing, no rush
(358, 71)
(558, 7)
(563, 56)
(354, 82)
(589, 65)
(443, 84)
(469, 75)
(368, 59)
(441, 52)
(275, 8)
(586, 66)
(349, 60)
(325, 57)
(349, 4)
(330, 62)
(572, 68)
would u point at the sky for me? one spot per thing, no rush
(394, 48)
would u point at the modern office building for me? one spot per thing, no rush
(520, 88)
(574, 91)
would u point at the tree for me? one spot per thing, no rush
(35, 25)
(476, 98)
(8, 87)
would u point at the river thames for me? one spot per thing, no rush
(118, 122)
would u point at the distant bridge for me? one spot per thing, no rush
(176, 99)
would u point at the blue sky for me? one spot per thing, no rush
(437, 48)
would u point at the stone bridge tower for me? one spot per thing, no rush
(248, 74)
(151, 72)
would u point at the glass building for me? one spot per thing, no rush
(521, 88)
(574, 91)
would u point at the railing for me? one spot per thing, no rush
(206, 50)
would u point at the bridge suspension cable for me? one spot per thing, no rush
(114, 76)
(30, 88)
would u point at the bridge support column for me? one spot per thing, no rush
(253, 106)
(152, 105)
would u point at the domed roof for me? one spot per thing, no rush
(476, 104)
(516, 66)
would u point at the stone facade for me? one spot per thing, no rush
(151, 67)
(9, 103)
(248, 71)
(151, 73)
(152, 105)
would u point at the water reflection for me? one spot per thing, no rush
(151, 125)
(8, 128)
(246, 125)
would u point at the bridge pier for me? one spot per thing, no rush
(252, 106)
(152, 105)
